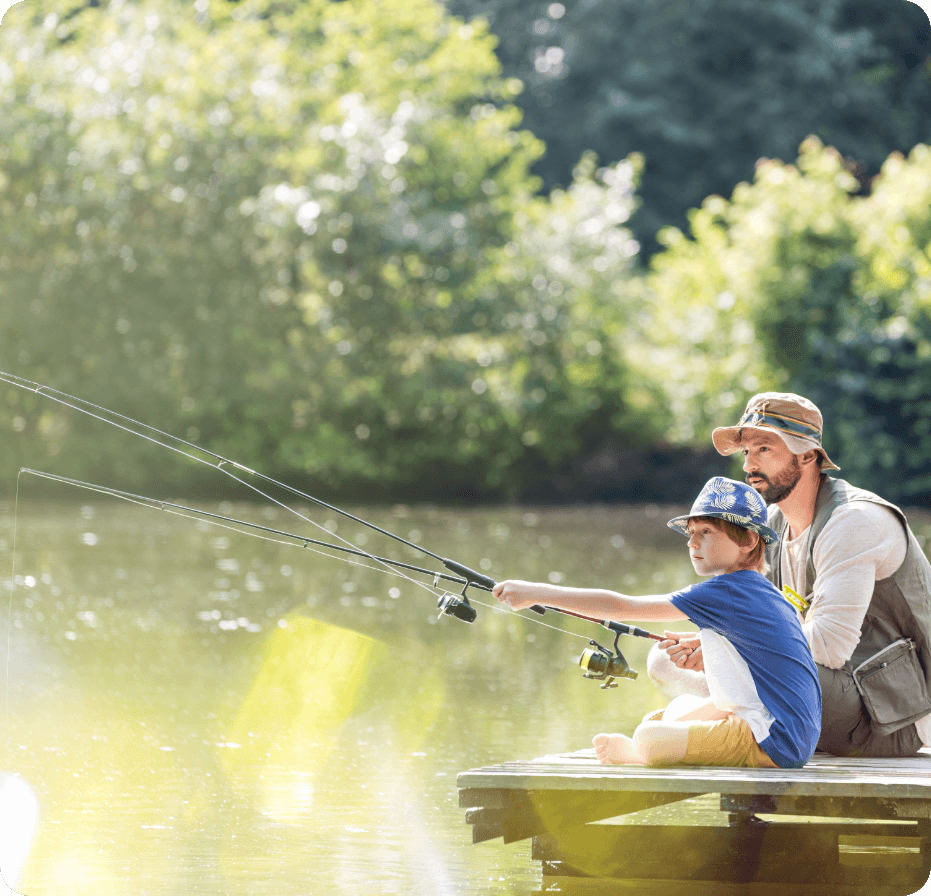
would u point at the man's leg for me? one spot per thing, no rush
(846, 729)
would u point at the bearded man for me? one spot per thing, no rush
(847, 559)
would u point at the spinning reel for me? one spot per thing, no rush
(601, 664)
(460, 606)
(456, 606)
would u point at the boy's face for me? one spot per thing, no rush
(711, 551)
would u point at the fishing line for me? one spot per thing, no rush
(9, 621)
(20, 382)
(448, 603)
(555, 628)
(219, 521)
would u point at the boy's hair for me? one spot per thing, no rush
(756, 559)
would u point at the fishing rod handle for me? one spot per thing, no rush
(632, 630)
(480, 580)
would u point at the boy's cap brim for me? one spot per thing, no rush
(681, 524)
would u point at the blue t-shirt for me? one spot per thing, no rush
(757, 661)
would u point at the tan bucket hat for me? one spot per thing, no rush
(794, 419)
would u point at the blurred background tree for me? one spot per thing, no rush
(703, 90)
(799, 284)
(281, 230)
(312, 238)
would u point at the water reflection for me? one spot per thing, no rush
(311, 680)
(19, 812)
(198, 710)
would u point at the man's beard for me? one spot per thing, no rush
(780, 486)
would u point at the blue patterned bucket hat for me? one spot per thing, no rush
(729, 500)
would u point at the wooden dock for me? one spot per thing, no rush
(837, 826)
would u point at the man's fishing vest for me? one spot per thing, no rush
(891, 664)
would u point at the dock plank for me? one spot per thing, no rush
(824, 776)
(873, 831)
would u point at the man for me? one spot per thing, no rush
(850, 563)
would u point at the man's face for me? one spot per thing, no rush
(771, 467)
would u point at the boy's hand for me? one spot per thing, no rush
(520, 595)
(684, 649)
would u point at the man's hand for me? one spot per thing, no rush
(684, 649)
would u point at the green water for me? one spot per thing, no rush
(197, 710)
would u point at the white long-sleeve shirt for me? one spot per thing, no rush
(860, 544)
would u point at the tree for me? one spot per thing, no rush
(799, 284)
(703, 90)
(279, 232)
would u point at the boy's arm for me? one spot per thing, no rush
(594, 602)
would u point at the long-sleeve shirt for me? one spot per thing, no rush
(861, 543)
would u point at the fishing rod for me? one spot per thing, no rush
(598, 662)
(461, 609)
(160, 504)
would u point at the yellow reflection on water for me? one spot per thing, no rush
(312, 678)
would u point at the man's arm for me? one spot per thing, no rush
(593, 602)
(862, 542)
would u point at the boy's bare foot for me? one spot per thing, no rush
(615, 749)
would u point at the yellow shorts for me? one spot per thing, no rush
(725, 742)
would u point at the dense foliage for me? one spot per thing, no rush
(308, 239)
(311, 239)
(703, 90)
(797, 283)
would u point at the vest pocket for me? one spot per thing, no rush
(893, 687)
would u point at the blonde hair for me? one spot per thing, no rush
(756, 559)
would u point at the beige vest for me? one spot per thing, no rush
(901, 604)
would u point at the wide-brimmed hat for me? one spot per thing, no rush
(729, 500)
(794, 419)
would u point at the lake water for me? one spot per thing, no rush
(194, 709)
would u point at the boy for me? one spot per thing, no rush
(765, 704)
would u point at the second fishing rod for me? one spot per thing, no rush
(598, 662)
(448, 604)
